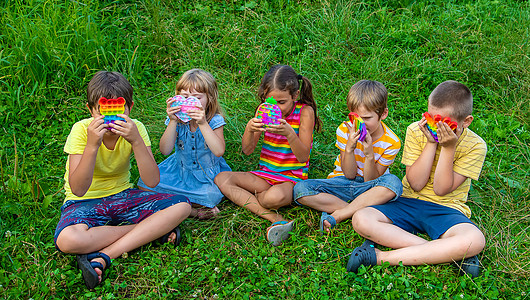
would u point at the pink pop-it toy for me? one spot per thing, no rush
(269, 112)
(185, 105)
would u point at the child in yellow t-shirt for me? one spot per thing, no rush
(103, 216)
(437, 181)
(361, 177)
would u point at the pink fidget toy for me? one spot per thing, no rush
(185, 105)
(109, 108)
(269, 112)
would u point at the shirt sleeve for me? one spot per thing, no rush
(470, 157)
(389, 155)
(413, 145)
(217, 121)
(143, 132)
(77, 139)
(342, 137)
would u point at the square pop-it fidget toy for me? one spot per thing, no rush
(269, 112)
(110, 108)
(358, 124)
(185, 105)
(432, 121)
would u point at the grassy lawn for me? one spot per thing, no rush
(49, 50)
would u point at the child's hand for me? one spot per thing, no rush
(127, 129)
(198, 115)
(446, 136)
(255, 125)
(283, 128)
(353, 137)
(95, 131)
(368, 147)
(172, 110)
(425, 131)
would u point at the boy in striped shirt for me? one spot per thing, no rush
(361, 177)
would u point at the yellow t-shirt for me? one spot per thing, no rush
(385, 150)
(469, 157)
(111, 171)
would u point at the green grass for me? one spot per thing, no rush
(49, 50)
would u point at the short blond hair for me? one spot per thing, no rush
(370, 94)
(202, 82)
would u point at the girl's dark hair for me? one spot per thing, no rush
(284, 78)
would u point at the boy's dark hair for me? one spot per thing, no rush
(370, 94)
(453, 94)
(110, 85)
(284, 78)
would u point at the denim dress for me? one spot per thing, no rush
(190, 170)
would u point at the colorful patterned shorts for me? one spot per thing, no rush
(130, 206)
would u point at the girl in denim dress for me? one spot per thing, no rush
(199, 145)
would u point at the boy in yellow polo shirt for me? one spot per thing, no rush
(103, 216)
(435, 189)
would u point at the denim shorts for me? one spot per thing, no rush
(344, 188)
(418, 216)
(130, 206)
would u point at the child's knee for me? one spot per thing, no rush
(71, 240)
(361, 220)
(222, 178)
(275, 200)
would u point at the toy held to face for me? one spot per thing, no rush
(185, 104)
(109, 108)
(432, 124)
(358, 124)
(269, 112)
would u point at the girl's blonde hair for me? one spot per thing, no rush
(202, 82)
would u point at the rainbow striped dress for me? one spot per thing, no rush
(277, 161)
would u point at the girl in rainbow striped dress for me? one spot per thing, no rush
(284, 158)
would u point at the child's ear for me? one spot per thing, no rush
(467, 121)
(384, 115)
(295, 96)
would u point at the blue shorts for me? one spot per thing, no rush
(344, 188)
(130, 206)
(418, 216)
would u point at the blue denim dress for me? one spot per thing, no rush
(190, 170)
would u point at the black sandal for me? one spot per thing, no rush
(87, 267)
(178, 237)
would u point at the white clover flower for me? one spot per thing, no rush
(8, 234)
(389, 286)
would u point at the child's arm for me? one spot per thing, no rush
(213, 138)
(251, 135)
(301, 143)
(445, 179)
(81, 166)
(167, 141)
(348, 162)
(419, 172)
(144, 157)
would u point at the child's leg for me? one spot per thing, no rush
(458, 242)
(242, 188)
(374, 196)
(317, 193)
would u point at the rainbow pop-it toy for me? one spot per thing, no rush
(432, 121)
(358, 123)
(269, 112)
(185, 105)
(110, 108)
